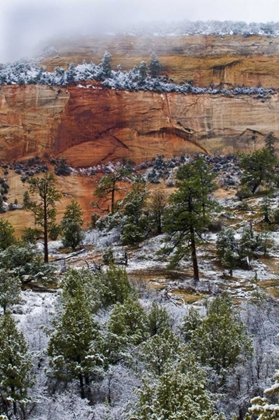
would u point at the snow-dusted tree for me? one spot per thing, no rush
(106, 64)
(7, 237)
(158, 352)
(261, 319)
(15, 369)
(109, 185)
(65, 405)
(228, 249)
(269, 142)
(135, 222)
(251, 242)
(154, 65)
(266, 210)
(61, 167)
(72, 234)
(10, 289)
(129, 321)
(220, 341)
(188, 215)
(190, 323)
(179, 393)
(112, 286)
(158, 319)
(74, 343)
(258, 169)
(70, 74)
(126, 327)
(143, 69)
(43, 209)
(26, 263)
(103, 288)
(262, 408)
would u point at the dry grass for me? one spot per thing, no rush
(188, 296)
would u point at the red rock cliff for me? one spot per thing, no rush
(89, 126)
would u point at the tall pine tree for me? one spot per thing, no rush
(71, 224)
(15, 369)
(189, 214)
(43, 208)
(74, 343)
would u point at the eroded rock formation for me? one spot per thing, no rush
(93, 125)
(204, 59)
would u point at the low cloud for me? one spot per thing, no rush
(26, 25)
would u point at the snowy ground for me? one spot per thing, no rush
(174, 289)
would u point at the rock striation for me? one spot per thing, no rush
(92, 125)
(203, 59)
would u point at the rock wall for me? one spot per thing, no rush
(204, 59)
(93, 125)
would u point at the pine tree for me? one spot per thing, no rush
(258, 169)
(143, 71)
(135, 222)
(269, 142)
(188, 216)
(126, 328)
(266, 210)
(26, 263)
(158, 352)
(157, 206)
(220, 339)
(74, 344)
(190, 323)
(158, 319)
(106, 64)
(71, 224)
(178, 393)
(228, 249)
(10, 289)
(7, 237)
(44, 209)
(262, 408)
(154, 65)
(129, 321)
(112, 286)
(70, 74)
(108, 186)
(15, 368)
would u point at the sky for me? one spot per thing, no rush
(26, 25)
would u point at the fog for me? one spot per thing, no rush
(27, 25)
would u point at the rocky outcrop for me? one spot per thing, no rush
(204, 59)
(93, 125)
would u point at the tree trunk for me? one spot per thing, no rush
(112, 197)
(15, 408)
(14, 402)
(194, 254)
(81, 385)
(159, 224)
(45, 232)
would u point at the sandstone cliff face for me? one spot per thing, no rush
(29, 117)
(93, 125)
(233, 60)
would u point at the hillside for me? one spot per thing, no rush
(119, 327)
